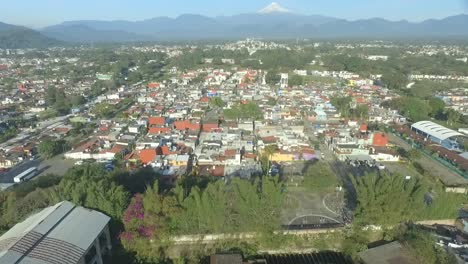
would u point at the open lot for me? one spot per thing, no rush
(56, 165)
(306, 208)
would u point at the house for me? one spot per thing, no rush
(211, 170)
(63, 233)
(95, 148)
(179, 160)
(186, 125)
(281, 156)
(210, 126)
(8, 162)
(379, 140)
(147, 156)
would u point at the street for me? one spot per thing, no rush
(56, 165)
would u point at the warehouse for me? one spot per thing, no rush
(438, 134)
(63, 233)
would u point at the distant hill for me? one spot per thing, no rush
(16, 37)
(275, 25)
(82, 33)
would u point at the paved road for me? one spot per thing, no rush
(7, 177)
(56, 165)
(447, 176)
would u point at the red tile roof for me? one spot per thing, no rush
(159, 130)
(154, 85)
(117, 148)
(147, 155)
(132, 156)
(250, 156)
(363, 128)
(230, 152)
(360, 100)
(186, 124)
(270, 139)
(164, 150)
(157, 120)
(216, 171)
(380, 140)
(209, 127)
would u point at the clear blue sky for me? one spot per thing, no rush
(37, 13)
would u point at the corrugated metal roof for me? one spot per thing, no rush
(435, 130)
(58, 234)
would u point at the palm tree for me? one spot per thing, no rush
(268, 151)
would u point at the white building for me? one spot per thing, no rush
(284, 80)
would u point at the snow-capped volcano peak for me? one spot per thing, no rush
(274, 8)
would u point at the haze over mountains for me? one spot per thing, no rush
(273, 21)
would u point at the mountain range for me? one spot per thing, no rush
(273, 21)
(12, 36)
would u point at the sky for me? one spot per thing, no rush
(40, 13)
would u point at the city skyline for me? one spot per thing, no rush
(49, 12)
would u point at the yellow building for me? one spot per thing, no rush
(282, 156)
(180, 160)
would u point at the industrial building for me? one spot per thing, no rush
(438, 134)
(63, 233)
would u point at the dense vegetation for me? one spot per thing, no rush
(237, 207)
(8, 133)
(343, 106)
(244, 111)
(422, 248)
(391, 199)
(50, 148)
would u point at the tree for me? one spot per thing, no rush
(437, 108)
(57, 99)
(414, 154)
(62, 104)
(342, 104)
(246, 111)
(421, 245)
(387, 199)
(295, 80)
(104, 110)
(251, 111)
(99, 193)
(50, 148)
(395, 80)
(272, 78)
(267, 153)
(77, 100)
(51, 95)
(361, 112)
(217, 102)
(453, 116)
(219, 208)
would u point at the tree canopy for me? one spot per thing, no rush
(238, 206)
(50, 148)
